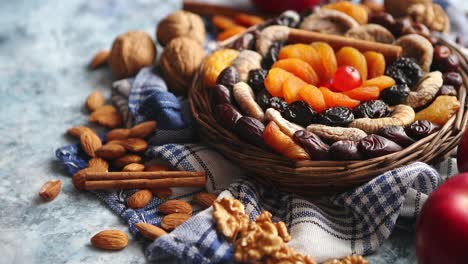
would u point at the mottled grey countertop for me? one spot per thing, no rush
(44, 48)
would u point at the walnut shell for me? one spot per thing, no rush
(181, 24)
(397, 8)
(179, 61)
(130, 52)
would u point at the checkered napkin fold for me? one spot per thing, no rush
(355, 222)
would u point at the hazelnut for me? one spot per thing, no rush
(179, 61)
(130, 52)
(181, 24)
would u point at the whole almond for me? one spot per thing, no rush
(139, 199)
(79, 179)
(142, 130)
(170, 222)
(77, 131)
(90, 142)
(150, 231)
(50, 189)
(125, 160)
(118, 133)
(134, 167)
(135, 144)
(110, 240)
(98, 164)
(99, 59)
(105, 109)
(94, 101)
(156, 167)
(109, 120)
(205, 199)
(162, 193)
(110, 151)
(175, 206)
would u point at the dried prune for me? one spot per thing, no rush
(444, 60)
(345, 150)
(421, 129)
(447, 90)
(228, 77)
(278, 104)
(251, 130)
(336, 116)
(453, 78)
(272, 54)
(396, 134)
(263, 99)
(371, 109)
(376, 146)
(227, 115)
(221, 94)
(405, 71)
(256, 79)
(247, 41)
(315, 147)
(300, 113)
(395, 95)
(399, 25)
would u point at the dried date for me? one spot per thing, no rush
(447, 90)
(228, 77)
(227, 115)
(345, 150)
(453, 78)
(251, 130)
(221, 94)
(376, 146)
(396, 134)
(421, 129)
(315, 147)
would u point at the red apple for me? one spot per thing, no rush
(278, 6)
(462, 153)
(442, 227)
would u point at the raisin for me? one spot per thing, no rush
(345, 150)
(396, 134)
(227, 115)
(421, 129)
(256, 79)
(228, 77)
(447, 90)
(336, 116)
(453, 78)
(315, 147)
(278, 104)
(395, 95)
(251, 130)
(263, 99)
(371, 109)
(247, 41)
(405, 71)
(221, 94)
(272, 54)
(300, 113)
(376, 146)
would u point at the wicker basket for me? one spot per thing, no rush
(315, 178)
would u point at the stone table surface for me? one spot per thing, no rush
(44, 49)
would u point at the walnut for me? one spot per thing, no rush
(179, 61)
(397, 8)
(353, 259)
(181, 24)
(431, 15)
(230, 217)
(130, 52)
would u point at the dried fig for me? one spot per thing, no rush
(371, 32)
(328, 21)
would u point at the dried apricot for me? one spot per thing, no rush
(333, 99)
(247, 20)
(375, 64)
(304, 52)
(383, 82)
(215, 63)
(222, 22)
(328, 59)
(299, 68)
(348, 56)
(356, 11)
(364, 93)
(281, 143)
(291, 88)
(440, 111)
(312, 96)
(230, 32)
(274, 81)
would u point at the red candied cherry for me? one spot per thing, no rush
(346, 78)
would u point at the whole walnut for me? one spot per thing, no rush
(181, 24)
(179, 61)
(130, 52)
(397, 8)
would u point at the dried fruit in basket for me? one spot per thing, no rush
(327, 58)
(396, 94)
(291, 88)
(364, 93)
(346, 78)
(222, 95)
(333, 99)
(440, 111)
(371, 109)
(383, 82)
(247, 20)
(405, 71)
(228, 77)
(375, 64)
(376, 146)
(227, 115)
(215, 63)
(421, 129)
(256, 79)
(345, 150)
(317, 149)
(396, 134)
(336, 116)
(251, 130)
(274, 81)
(305, 53)
(300, 113)
(281, 143)
(314, 97)
(348, 56)
(356, 11)
(299, 68)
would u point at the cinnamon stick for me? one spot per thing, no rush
(128, 175)
(205, 9)
(145, 183)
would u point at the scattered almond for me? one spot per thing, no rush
(94, 101)
(78, 179)
(118, 133)
(134, 144)
(170, 222)
(90, 142)
(142, 130)
(139, 199)
(134, 167)
(150, 231)
(175, 206)
(110, 120)
(205, 199)
(125, 160)
(156, 167)
(99, 59)
(110, 151)
(98, 164)
(110, 240)
(50, 190)
(105, 109)
(162, 193)
(77, 131)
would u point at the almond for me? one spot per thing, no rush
(134, 167)
(150, 231)
(205, 199)
(156, 167)
(94, 101)
(105, 109)
(77, 131)
(90, 142)
(142, 130)
(50, 189)
(126, 159)
(170, 222)
(98, 164)
(99, 59)
(139, 199)
(110, 151)
(134, 144)
(110, 240)
(162, 193)
(109, 120)
(118, 133)
(79, 179)
(175, 206)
